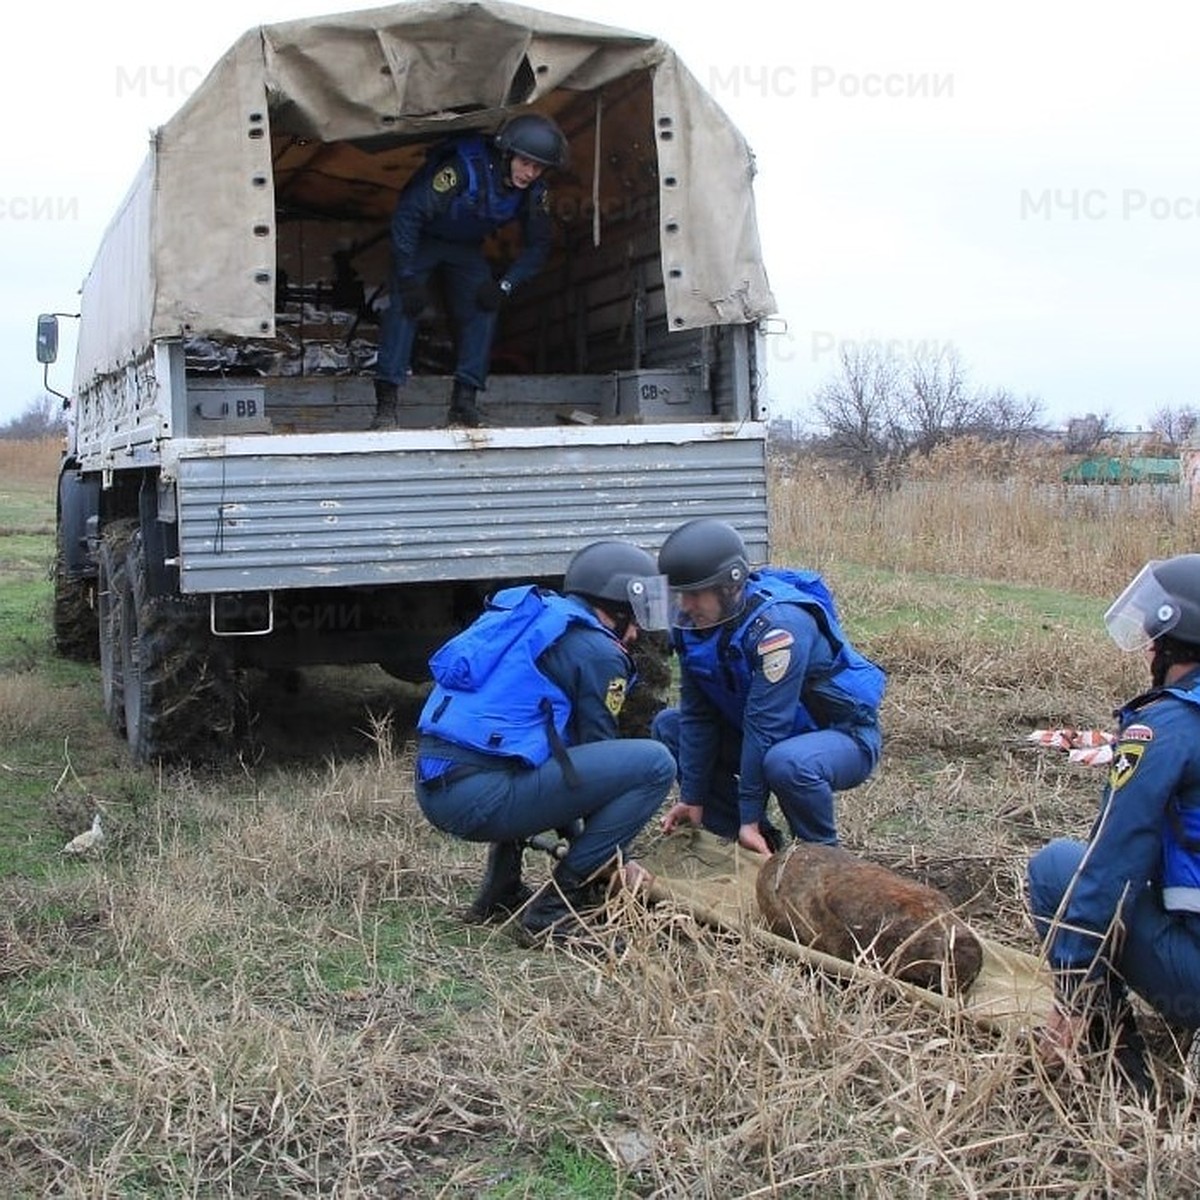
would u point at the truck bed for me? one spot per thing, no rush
(409, 506)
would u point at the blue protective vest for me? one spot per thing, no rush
(489, 695)
(721, 667)
(483, 204)
(1181, 830)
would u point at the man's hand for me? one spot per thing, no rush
(1058, 1040)
(750, 837)
(491, 294)
(682, 814)
(413, 297)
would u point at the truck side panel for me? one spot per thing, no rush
(429, 512)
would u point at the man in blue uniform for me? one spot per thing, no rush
(773, 698)
(519, 734)
(474, 186)
(1123, 909)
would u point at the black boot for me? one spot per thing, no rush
(1113, 1032)
(771, 835)
(553, 915)
(463, 410)
(387, 405)
(501, 893)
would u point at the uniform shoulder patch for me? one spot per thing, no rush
(1126, 756)
(446, 180)
(614, 696)
(1137, 733)
(775, 653)
(773, 640)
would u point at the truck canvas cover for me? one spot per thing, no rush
(365, 93)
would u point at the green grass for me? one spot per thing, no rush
(989, 609)
(25, 513)
(29, 839)
(565, 1173)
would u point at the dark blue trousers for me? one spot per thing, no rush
(463, 268)
(1157, 953)
(621, 784)
(803, 771)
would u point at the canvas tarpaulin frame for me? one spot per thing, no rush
(199, 228)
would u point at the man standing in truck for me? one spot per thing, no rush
(469, 188)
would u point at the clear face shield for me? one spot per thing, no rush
(706, 607)
(1142, 613)
(648, 598)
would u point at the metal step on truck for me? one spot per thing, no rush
(224, 504)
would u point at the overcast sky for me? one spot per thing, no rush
(1015, 182)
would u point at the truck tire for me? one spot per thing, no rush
(111, 588)
(178, 683)
(76, 622)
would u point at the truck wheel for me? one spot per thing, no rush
(111, 588)
(178, 683)
(76, 621)
(652, 657)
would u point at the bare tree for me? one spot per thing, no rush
(858, 408)
(43, 417)
(1175, 425)
(937, 404)
(879, 411)
(1084, 434)
(1001, 416)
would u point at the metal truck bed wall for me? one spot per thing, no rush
(278, 513)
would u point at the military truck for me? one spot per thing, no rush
(223, 503)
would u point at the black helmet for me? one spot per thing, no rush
(704, 553)
(701, 555)
(1162, 601)
(621, 578)
(534, 137)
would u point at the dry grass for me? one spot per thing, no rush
(28, 708)
(263, 987)
(956, 516)
(287, 1006)
(30, 461)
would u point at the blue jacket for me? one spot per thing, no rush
(536, 672)
(459, 195)
(780, 668)
(1147, 832)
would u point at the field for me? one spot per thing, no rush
(262, 987)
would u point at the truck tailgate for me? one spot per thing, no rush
(348, 510)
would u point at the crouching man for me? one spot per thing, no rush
(519, 734)
(1122, 910)
(774, 698)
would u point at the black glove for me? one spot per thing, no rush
(491, 294)
(413, 297)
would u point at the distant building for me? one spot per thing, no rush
(1103, 468)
